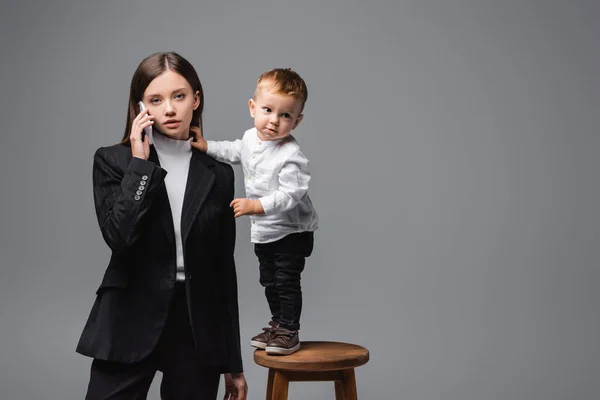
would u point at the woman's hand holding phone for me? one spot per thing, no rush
(140, 142)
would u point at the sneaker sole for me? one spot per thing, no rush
(258, 345)
(281, 350)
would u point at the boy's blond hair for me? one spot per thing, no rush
(283, 81)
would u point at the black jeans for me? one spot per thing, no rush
(281, 263)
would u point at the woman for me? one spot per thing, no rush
(168, 299)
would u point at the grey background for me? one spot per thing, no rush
(453, 146)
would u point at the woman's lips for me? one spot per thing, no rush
(172, 124)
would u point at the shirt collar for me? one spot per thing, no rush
(268, 143)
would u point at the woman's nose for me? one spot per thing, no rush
(169, 109)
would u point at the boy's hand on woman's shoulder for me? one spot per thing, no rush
(243, 206)
(199, 143)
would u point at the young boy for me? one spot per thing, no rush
(282, 216)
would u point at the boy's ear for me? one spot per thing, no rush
(251, 107)
(298, 120)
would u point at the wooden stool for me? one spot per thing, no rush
(314, 362)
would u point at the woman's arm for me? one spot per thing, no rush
(230, 282)
(123, 191)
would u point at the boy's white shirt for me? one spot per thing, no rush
(276, 173)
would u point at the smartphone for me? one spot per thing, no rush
(148, 129)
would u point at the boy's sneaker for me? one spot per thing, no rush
(284, 342)
(260, 341)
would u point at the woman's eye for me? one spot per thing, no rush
(179, 96)
(155, 101)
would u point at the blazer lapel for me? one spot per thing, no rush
(199, 183)
(161, 197)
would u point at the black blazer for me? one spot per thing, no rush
(132, 301)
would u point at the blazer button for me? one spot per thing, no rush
(136, 197)
(141, 187)
(143, 183)
(145, 177)
(139, 193)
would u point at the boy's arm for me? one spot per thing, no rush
(229, 152)
(243, 206)
(225, 151)
(293, 185)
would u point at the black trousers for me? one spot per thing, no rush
(281, 263)
(174, 356)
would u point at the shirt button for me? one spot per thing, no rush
(145, 177)
(136, 197)
(250, 178)
(253, 221)
(259, 143)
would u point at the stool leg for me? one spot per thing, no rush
(270, 384)
(346, 388)
(280, 386)
(339, 390)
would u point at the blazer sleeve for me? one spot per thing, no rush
(230, 281)
(123, 191)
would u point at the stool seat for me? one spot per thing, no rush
(316, 356)
(314, 362)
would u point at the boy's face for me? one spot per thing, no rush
(275, 115)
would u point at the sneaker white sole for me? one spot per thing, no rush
(258, 345)
(281, 350)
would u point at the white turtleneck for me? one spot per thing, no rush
(174, 156)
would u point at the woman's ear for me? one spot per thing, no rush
(252, 107)
(196, 100)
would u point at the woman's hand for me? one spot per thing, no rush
(140, 149)
(235, 387)
(200, 143)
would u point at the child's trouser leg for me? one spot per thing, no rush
(289, 260)
(281, 263)
(267, 279)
